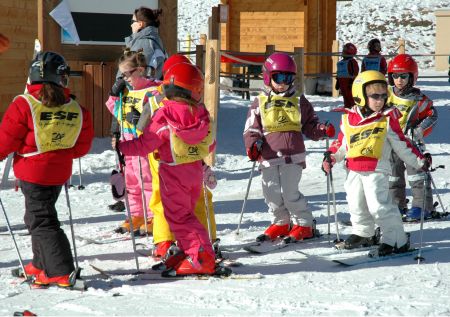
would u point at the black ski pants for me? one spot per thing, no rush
(51, 248)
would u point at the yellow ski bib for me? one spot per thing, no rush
(367, 140)
(404, 105)
(55, 128)
(183, 153)
(134, 99)
(281, 114)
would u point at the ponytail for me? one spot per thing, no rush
(52, 95)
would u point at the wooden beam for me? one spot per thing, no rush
(299, 60)
(169, 25)
(212, 81)
(49, 32)
(335, 59)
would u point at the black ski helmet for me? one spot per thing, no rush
(371, 45)
(49, 67)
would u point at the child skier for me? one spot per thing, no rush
(46, 129)
(347, 70)
(163, 238)
(135, 89)
(419, 117)
(273, 135)
(180, 131)
(374, 60)
(369, 133)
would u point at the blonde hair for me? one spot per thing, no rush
(133, 58)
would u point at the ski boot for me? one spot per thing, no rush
(70, 281)
(354, 241)
(386, 249)
(414, 214)
(206, 266)
(274, 231)
(117, 207)
(142, 229)
(173, 257)
(125, 226)
(30, 270)
(161, 248)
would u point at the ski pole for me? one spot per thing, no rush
(66, 189)
(328, 195)
(334, 206)
(14, 240)
(208, 221)
(419, 256)
(437, 194)
(81, 186)
(246, 196)
(127, 202)
(144, 201)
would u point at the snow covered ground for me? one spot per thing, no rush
(291, 284)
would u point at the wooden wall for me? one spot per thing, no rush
(18, 22)
(253, 24)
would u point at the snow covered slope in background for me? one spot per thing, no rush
(358, 21)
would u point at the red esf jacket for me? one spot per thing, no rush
(17, 134)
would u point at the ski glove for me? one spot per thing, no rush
(133, 116)
(427, 161)
(118, 87)
(254, 152)
(328, 162)
(209, 179)
(328, 128)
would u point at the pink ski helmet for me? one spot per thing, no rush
(278, 63)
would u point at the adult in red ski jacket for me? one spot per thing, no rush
(46, 129)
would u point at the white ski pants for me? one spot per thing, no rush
(370, 204)
(281, 193)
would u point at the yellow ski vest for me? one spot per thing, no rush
(281, 114)
(404, 105)
(366, 140)
(134, 99)
(55, 128)
(183, 153)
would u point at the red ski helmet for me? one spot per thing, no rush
(278, 63)
(174, 59)
(403, 63)
(183, 80)
(349, 49)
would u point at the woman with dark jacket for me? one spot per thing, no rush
(144, 26)
(46, 129)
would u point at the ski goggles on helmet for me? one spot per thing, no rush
(283, 78)
(378, 96)
(400, 75)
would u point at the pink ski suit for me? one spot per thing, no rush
(132, 173)
(180, 184)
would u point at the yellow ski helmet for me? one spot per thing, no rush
(360, 83)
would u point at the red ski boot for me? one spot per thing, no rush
(206, 265)
(161, 249)
(274, 231)
(31, 270)
(298, 233)
(61, 281)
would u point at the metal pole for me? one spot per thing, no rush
(144, 201)
(14, 240)
(328, 194)
(419, 257)
(81, 186)
(334, 207)
(246, 196)
(208, 221)
(66, 189)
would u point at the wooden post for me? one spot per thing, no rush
(49, 32)
(200, 57)
(299, 60)
(212, 81)
(215, 24)
(270, 49)
(169, 25)
(334, 61)
(203, 38)
(401, 46)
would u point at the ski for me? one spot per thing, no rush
(78, 284)
(279, 243)
(107, 239)
(333, 251)
(155, 275)
(372, 256)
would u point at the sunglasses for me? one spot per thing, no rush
(129, 73)
(378, 96)
(400, 75)
(133, 21)
(283, 78)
